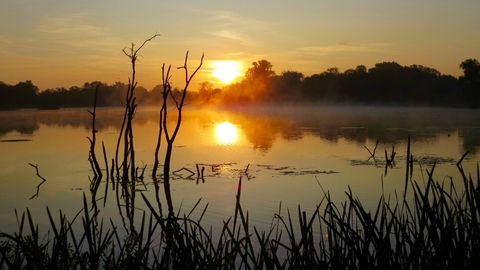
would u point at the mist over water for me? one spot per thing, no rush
(281, 153)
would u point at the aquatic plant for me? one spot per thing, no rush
(438, 229)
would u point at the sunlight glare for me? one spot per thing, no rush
(226, 133)
(226, 71)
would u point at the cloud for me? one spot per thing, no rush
(341, 47)
(76, 24)
(230, 34)
(337, 48)
(77, 30)
(233, 25)
(5, 41)
(18, 47)
(225, 18)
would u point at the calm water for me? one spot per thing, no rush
(288, 153)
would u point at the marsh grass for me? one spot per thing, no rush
(438, 229)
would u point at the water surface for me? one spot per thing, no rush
(287, 156)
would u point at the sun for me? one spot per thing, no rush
(226, 71)
(226, 133)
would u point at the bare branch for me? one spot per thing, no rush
(133, 53)
(147, 40)
(189, 78)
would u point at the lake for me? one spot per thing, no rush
(286, 156)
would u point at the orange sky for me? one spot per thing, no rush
(64, 43)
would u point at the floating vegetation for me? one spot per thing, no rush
(369, 162)
(424, 160)
(305, 172)
(430, 160)
(220, 169)
(16, 140)
(233, 170)
(272, 168)
(292, 171)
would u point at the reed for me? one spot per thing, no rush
(438, 229)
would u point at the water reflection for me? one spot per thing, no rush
(470, 138)
(360, 125)
(261, 127)
(226, 133)
(28, 122)
(305, 140)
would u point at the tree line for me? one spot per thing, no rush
(27, 95)
(387, 83)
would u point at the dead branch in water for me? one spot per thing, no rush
(179, 104)
(126, 130)
(92, 157)
(372, 154)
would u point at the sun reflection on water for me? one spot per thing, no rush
(226, 133)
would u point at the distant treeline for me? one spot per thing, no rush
(27, 95)
(386, 83)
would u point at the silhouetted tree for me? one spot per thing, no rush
(257, 79)
(471, 70)
(53, 98)
(4, 96)
(261, 70)
(355, 85)
(387, 83)
(323, 86)
(27, 92)
(284, 88)
(205, 87)
(287, 86)
(206, 94)
(21, 95)
(471, 81)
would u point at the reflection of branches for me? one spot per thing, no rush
(184, 169)
(43, 180)
(246, 172)
(372, 154)
(106, 170)
(200, 174)
(389, 161)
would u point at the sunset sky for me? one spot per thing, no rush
(64, 43)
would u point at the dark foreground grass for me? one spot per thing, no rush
(438, 229)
